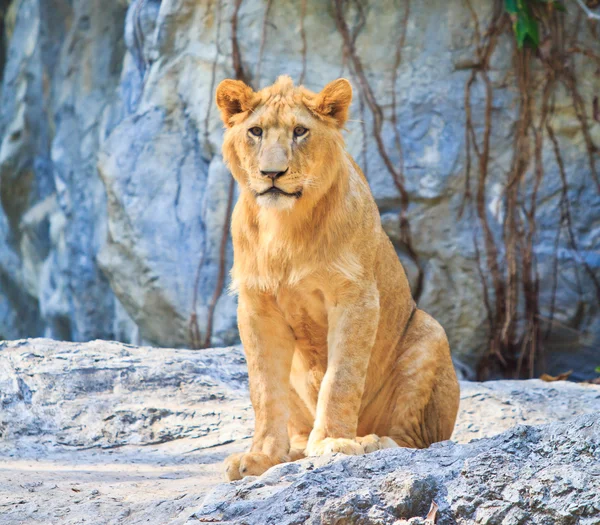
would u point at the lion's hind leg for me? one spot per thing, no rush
(422, 402)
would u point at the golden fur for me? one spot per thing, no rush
(338, 353)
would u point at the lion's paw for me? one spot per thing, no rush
(373, 442)
(296, 454)
(332, 445)
(238, 466)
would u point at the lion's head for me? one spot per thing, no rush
(282, 142)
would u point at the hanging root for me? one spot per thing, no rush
(263, 40)
(236, 55)
(515, 341)
(396, 171)
(222, 268)
(196, 340)
(303, 38)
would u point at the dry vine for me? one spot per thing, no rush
(263, 40)
(513, 309)
(193, 328)
(194, 331)
(236, 55)
(396, 171)
(222, 269)
(303, 38)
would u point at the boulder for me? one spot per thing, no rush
(137, 435)
(526, 475)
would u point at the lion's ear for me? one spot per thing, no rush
(233, 97)
(334, 101)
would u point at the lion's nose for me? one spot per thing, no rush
(274, 174)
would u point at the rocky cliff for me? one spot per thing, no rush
(115, 203)
(107, 433)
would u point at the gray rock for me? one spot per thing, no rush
(113, 395)
(137, 435)
(548, 474)
(24, 171)
(113, 433)
(114, 201)
(62, 71)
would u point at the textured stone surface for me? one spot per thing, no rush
(549, 474)
(114, 200)
(135, 435)
(110, 433)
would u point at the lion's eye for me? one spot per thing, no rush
(256, 131)
(299, 131)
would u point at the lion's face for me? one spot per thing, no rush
(276, 152)
(279, 139)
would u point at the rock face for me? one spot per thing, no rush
(134, 435)
(115, 203)
(525, 475)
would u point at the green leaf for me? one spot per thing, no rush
(532, 31)
(598, 369)
(526, 30)
(511, 6)
(520, 31)
(559, 7)
(525, 24)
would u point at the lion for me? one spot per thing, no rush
(340, 359)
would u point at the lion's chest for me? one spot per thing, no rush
(305, 311)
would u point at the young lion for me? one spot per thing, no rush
(340, 359)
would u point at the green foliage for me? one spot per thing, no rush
(598, 369)
(525, 23)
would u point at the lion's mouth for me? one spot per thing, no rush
(274, 190)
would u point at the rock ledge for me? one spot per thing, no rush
(108, 433)
(527, 475)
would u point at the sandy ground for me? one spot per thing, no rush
(161, 484)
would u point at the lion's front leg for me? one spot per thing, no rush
(353, 322)
(269, 346)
